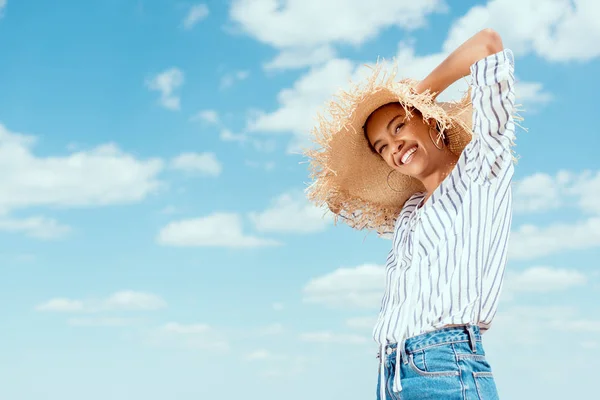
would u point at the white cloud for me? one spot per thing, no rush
(291, 213)
(278, 306)
(300, 57)
(36, 227)
(537, 193)
(229, 79)
(195, 14)
(557, 30)
(208, 116)
(544, 279)
(2, 5)
(100, 176)
(167, 82)
(542, 192)
(532, 93)
(259, 355)
(361, 286)
(101, 322)
(536, 339)
(532, 321)
(590, 344)
(335, 338)
(61, 305)
(130, 300)
(215, 230)
(174, 327)
(126, 300)
(203, 163)
(529, 241)
(299, 105)
(228, 136)
(283, 25)
(193, 336)
(586, 188)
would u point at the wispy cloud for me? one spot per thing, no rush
(285, 26)
(86, 178)
(202, 163)
(126, 300)
(544, 279)
(207, 116)
(37, 227)
(215, 230)
(174, 327)
(167, 83)
(229, 79)
(529, 242)
(291, 213)
(195, 14)
(358, 287)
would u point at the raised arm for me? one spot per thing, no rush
(457, 65)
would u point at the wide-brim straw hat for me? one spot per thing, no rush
(348, 177)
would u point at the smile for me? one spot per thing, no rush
(408, 155)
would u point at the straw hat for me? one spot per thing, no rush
(357, 184)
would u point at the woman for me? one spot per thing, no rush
(437, 177)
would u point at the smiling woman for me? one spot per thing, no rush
(437, 177)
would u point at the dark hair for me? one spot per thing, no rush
(446, 141)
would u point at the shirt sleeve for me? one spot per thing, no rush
(489, 155)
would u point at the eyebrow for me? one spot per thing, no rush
(392, 121)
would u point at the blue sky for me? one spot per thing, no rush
(154, 237)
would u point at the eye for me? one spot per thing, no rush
(381, 148)
(398, 128)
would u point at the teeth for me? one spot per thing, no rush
(408, 154)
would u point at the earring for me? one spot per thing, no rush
(388, 182)
(440, 137)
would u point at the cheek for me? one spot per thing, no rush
(420, 134)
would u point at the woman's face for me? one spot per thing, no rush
(404, 143)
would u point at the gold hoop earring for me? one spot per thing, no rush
(440, 137)
(388, 182)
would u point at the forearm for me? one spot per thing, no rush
(457, 65)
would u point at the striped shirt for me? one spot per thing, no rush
(446, 265)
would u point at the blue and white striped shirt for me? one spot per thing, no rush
(447, 260)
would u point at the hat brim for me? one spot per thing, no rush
(353, 181)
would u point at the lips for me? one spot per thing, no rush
(406, 155)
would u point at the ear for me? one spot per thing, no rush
(432, 123)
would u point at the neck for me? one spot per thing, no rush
(444, 167)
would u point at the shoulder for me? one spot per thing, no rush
(413, 201)
(409, 207)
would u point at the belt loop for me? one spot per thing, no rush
(472, 338)
(402, 349)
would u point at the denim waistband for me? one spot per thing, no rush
(439, 336)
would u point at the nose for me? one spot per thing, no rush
(397, 146)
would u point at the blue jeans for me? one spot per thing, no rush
(447, 364)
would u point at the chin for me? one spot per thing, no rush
(415, 171)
